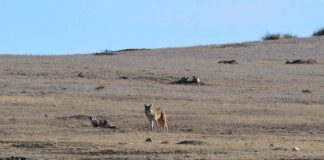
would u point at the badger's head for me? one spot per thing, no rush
(92, 118)
(196, 79)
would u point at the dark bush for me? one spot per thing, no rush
(319, 32)
(274, 36)
(271, 36)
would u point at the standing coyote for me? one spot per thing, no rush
(156, 115)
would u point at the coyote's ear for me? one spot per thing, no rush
(145, 105)
(151, 105)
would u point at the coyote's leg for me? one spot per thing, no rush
(165, 126)
(151, 125)
(157, 124)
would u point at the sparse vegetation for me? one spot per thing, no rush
(275, 36)
(105, 52)
(289, 36)
(319, 32)
(271, 36)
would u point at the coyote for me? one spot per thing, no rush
(156, 115)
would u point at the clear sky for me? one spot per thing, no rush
(86, 26)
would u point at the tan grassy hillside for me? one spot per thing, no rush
(259, 108)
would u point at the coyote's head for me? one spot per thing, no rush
(147, 107)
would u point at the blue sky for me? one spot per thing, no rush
(85, 26)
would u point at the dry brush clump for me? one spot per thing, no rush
(319, 32)
(275, 36)
(289, 36)
(271, 36)
(105, 52)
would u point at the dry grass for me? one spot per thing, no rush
(251, 110)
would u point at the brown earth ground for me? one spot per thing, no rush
(255, 109)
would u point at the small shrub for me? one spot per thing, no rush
(288, 36)
(271, 36)
(319, 32)
(105, 52)
(274, 36)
